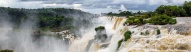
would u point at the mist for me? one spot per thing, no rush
(22, 39)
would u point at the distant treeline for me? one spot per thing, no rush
(170, 10)
(46, 18)
(164, 14)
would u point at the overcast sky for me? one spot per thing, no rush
(92, 6)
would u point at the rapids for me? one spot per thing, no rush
(167, 41)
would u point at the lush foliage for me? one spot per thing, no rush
(184, 10)
(122, 13)
(158, 31)
(164, 14)
(187, 8)
(99, 28)
(45, 18)
(55, 22)
(171, 10)
(127, 35)
(155, 20)
(161, 20)
(135, 21)
(119, 43)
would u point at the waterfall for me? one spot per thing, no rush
(167, 41)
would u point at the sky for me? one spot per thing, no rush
(92, 6)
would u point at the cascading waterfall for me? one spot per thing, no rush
(167, 41)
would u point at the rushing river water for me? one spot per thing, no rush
(143, 39)
(167, 41)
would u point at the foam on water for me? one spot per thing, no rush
(167, 41)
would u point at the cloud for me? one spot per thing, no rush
(86, 5)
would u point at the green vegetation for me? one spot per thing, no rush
(187, 8)
(155, 20)
(164, 14)
(6, 51)
(99, 28)
(135, 21)
(158, 31)
(55, 22)
(161, 20)
(127, 35)
(119, 43)
(122, 13)
(54, 19)
(171, 10)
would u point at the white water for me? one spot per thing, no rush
(165, 42)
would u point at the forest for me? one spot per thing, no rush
(54, 19)
(164, 14)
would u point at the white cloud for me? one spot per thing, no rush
(93, 6)
(57, 5)
(129, 1)
(17, 4)
(77, 6)
(158, 2)
(3, 3)
(123, 8)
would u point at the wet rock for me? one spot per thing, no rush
(104, 45)
(100, 37)
(182, 29)
(100, 34)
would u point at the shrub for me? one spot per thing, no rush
(161, 20)
(172, 21)
(99, 28)
(135, 21)
(119, 43)
(127, 35)
(158, 31)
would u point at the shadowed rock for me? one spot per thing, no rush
(100, 37)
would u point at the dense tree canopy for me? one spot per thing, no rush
(121, 13)
(187, 8)
(164, 14)
(161, 20)
(45, 18)
(135, 21)
(171, 10)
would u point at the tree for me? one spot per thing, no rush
(127, 35)
(187, 7)
(158, 31)
(161, 20)
(171, 10)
